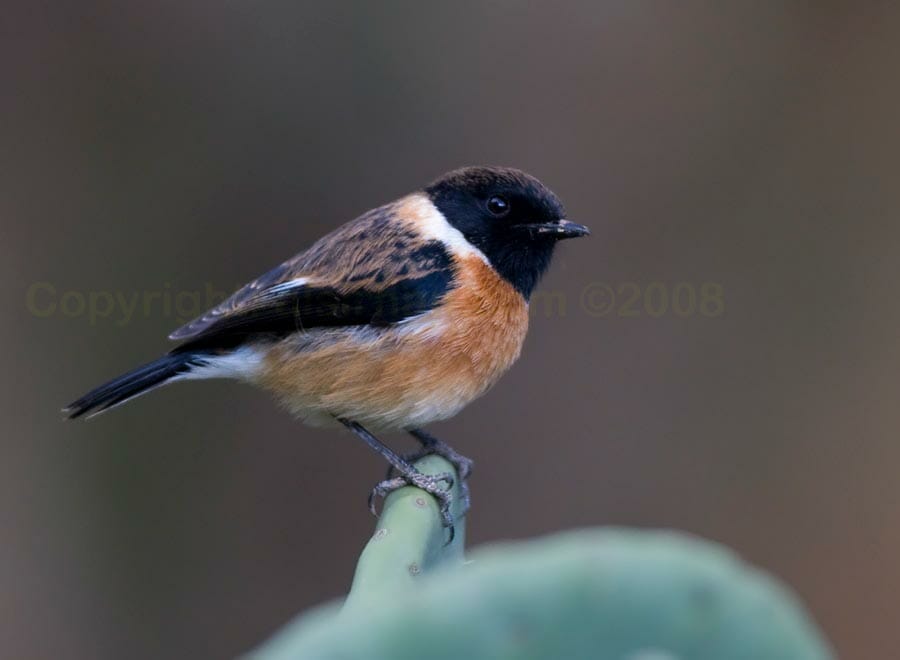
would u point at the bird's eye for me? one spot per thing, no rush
(498, 205)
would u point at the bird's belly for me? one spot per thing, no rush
(404, 376)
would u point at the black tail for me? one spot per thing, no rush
(134, 383)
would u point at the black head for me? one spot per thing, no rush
(509, 215)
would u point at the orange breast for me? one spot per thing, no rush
(406, 376)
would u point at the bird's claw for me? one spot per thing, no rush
(438, 486)
(462, 464)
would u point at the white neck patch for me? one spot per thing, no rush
(432, 224)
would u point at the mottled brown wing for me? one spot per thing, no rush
(249, 296)
(374, 269)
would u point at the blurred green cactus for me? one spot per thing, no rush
(607, 594)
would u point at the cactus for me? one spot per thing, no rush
(606, 594)
(408, 540)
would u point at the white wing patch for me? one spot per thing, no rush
(278, 289)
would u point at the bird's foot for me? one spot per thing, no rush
(437, 485)
(409, 475)
(433, 446)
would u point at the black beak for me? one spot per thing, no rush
(559, 230)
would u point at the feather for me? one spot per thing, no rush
(382, 268)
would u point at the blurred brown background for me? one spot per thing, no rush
(160, 147)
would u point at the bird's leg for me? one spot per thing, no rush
(431, 445)
(408, 476)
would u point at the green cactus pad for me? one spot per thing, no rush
(605, 594)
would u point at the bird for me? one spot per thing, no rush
(395, 320)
